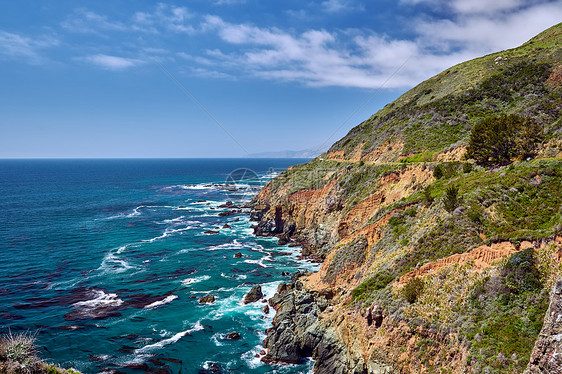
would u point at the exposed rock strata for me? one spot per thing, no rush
(547, 354)
(301, 331)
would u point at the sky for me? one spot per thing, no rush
(227, 78)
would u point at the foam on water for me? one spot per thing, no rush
(189, 281)
(99, 299)
(173, 339)
(166, 300)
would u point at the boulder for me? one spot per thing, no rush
(238, 255)
(226, 226)
(254, 295)
(207, 299)
(233, 335)
(210, 232)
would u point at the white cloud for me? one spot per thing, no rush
(16, 46)
(170, 18)
(482, 33)
(113, 62)
(334, 6)
(86, 21)
(359, 58)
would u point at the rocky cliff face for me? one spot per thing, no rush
(547, 353)
(430, 263)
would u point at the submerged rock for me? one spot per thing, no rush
(254, 295)
(238, 255)
(233, 335)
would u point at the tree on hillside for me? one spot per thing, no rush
(497, 140)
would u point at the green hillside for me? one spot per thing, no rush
(442, 110)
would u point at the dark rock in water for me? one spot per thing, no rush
(210, 232)
(200, 201)
(282, 241)
(238, 255)
(233, 335)
(266, 309)
(181, 207)
(237, 220)
(212, 368)
(207, 299)
(227, 213)
(226, 226)
(254, 295)
(292, 245)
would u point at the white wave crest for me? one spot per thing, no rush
(173, 339)
(188, 281)
(166, 300)
(100, 299)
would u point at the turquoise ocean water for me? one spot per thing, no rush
(107, 260)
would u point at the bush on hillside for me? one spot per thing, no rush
(19, 353)
(497, 140)
(451, 199)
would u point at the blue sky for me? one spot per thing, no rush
(114, 78)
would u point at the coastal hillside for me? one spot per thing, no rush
(439, 224)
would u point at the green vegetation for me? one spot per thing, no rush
(19, 355)
(413, 289)
(498, 140)
(508, 313)
(451, 199)
(377, 282)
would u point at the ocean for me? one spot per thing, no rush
(106, 261)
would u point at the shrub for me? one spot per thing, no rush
(438, 172)
(451, 200)
(413, 289)
(496, 140)
(19, 350)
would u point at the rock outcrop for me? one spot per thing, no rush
(254, 295)
(299, 331)
(547, 353)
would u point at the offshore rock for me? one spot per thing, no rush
(547, 353)
(254, 295)
(207, 299)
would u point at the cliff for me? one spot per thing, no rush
(431, 262)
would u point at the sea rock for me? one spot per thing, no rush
(254, 295)
(210, 232)
(233, 335)
(207, 299)
(227, 213)
(238, 255)
(226, 226)
(266, 309)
